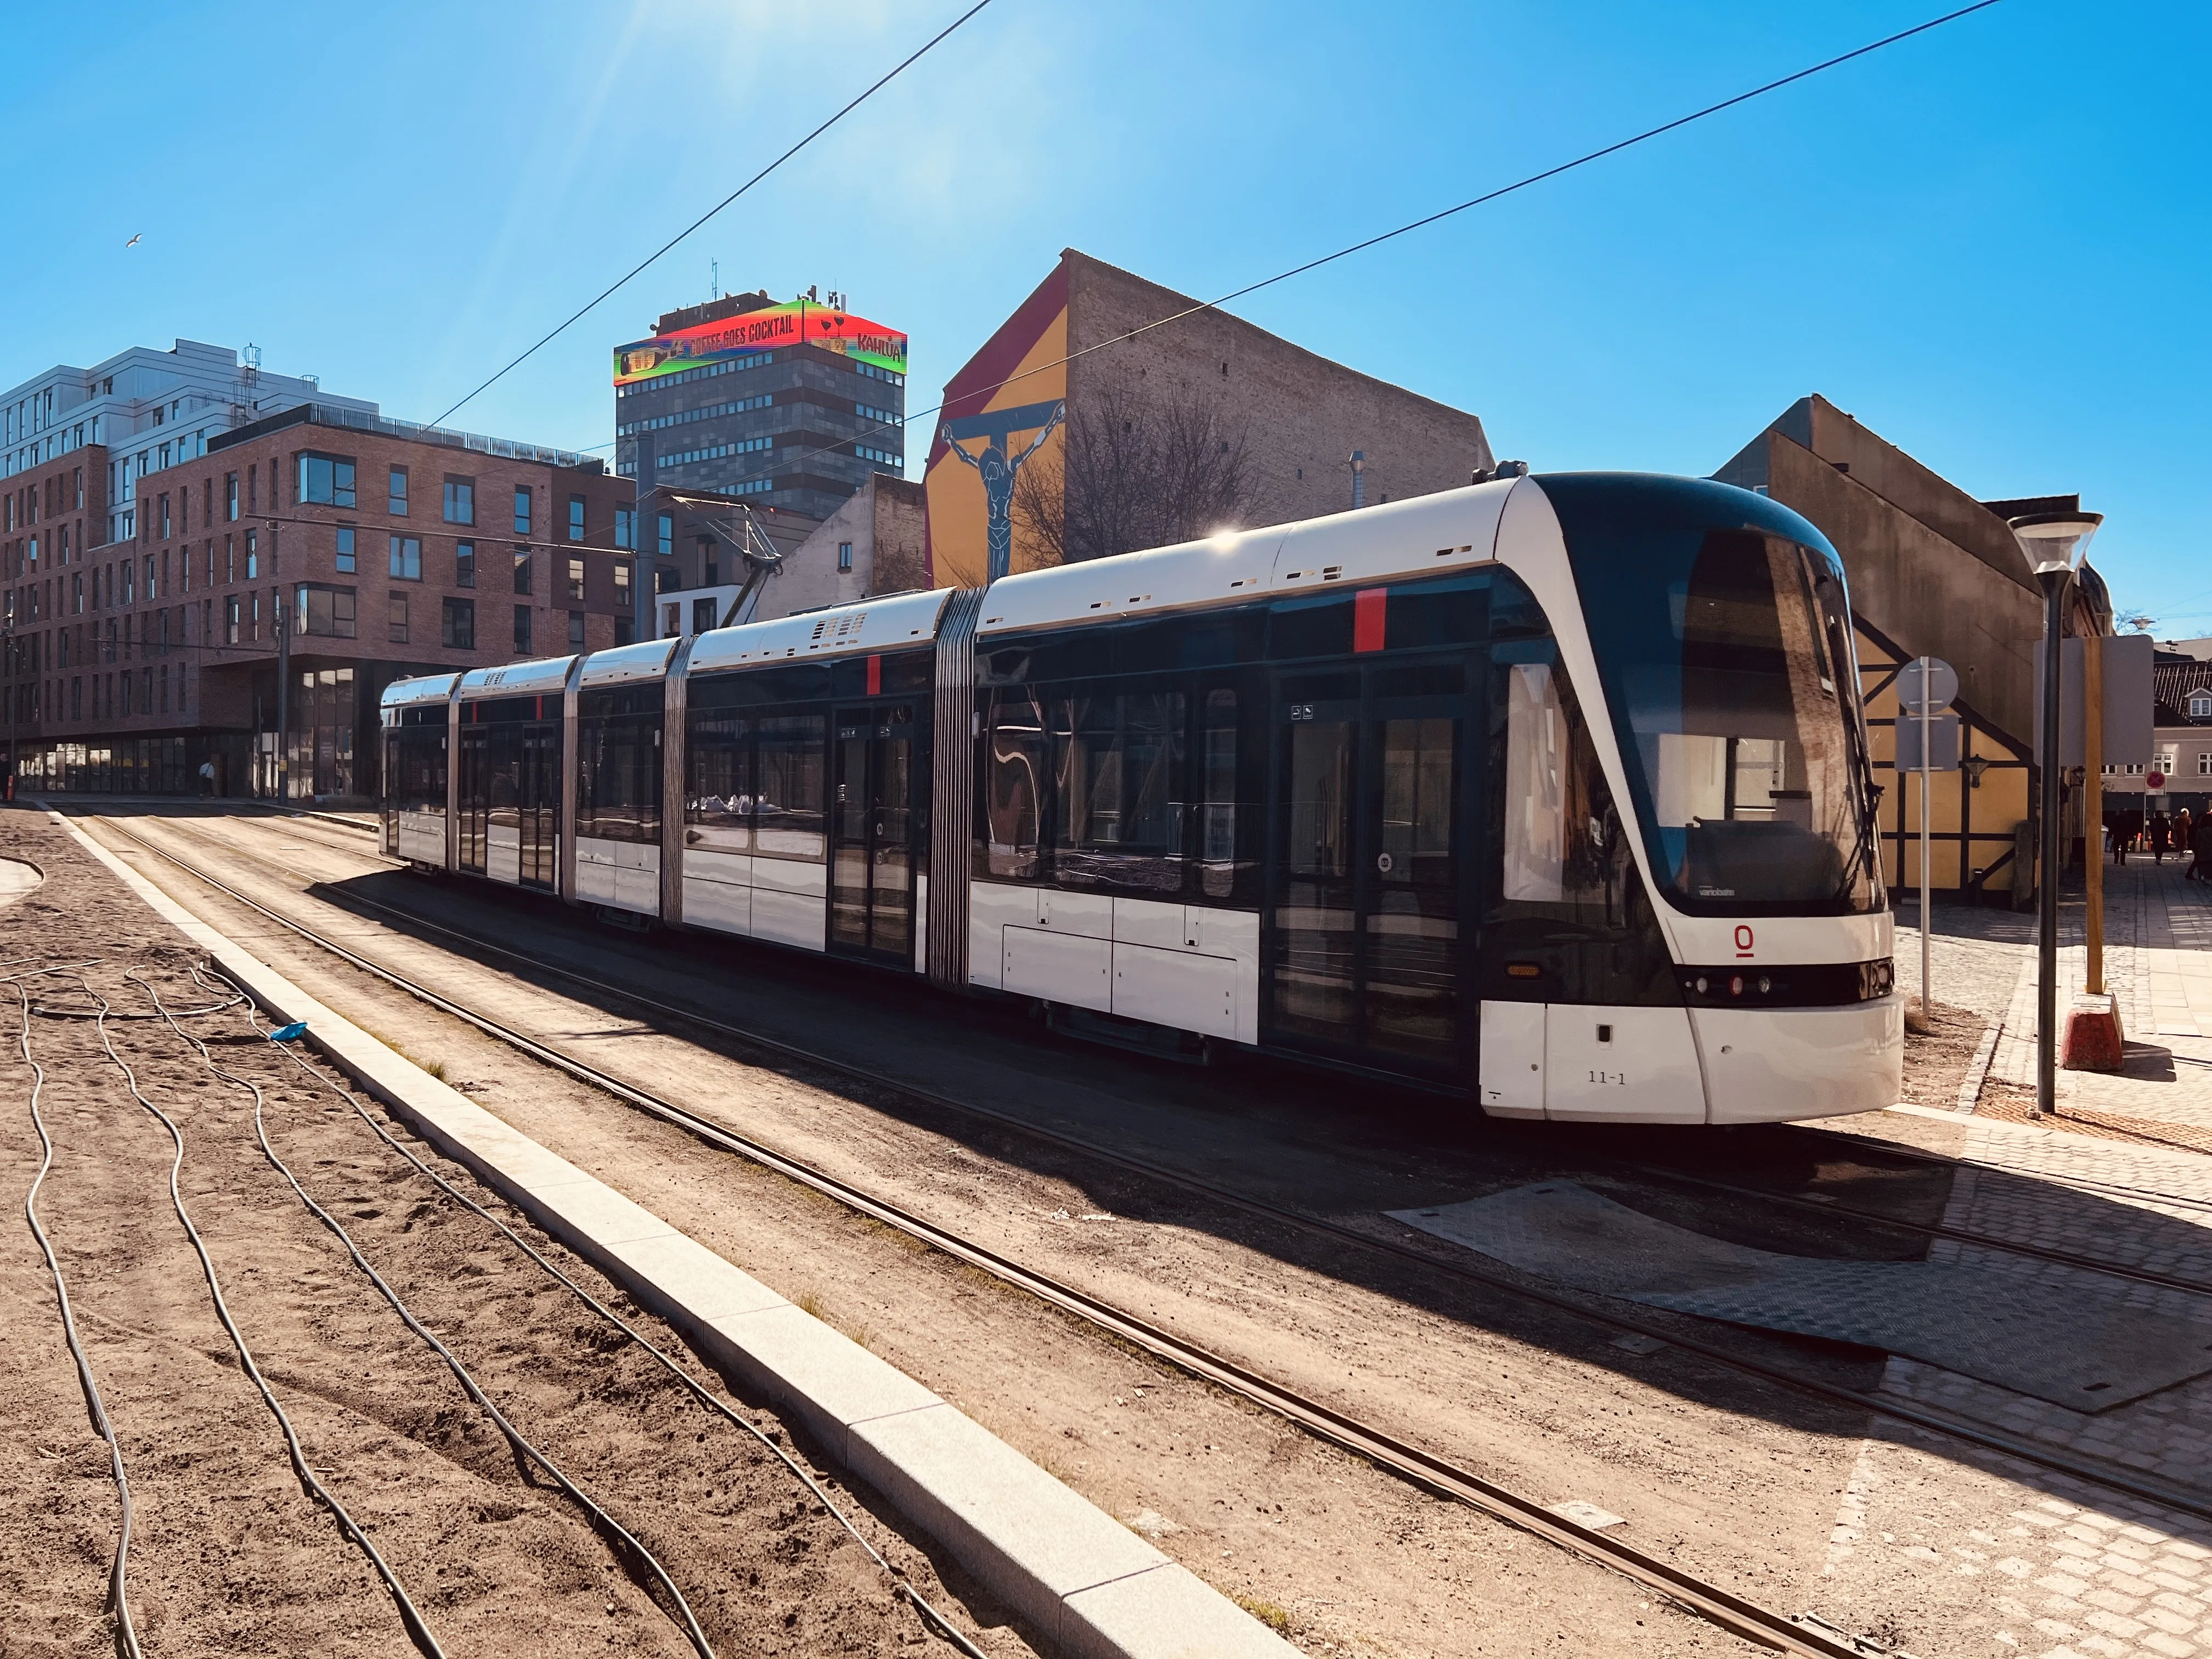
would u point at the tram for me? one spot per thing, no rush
(1552, 792)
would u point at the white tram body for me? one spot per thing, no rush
(1552, 792)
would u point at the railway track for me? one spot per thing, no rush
(1821, 1207)
(1426, 1469)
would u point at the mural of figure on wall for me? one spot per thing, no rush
(999, 471)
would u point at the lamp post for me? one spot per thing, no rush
(1358, 479)
(2053, 544)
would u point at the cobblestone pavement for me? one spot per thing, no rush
(1948, 1552)
(2158, 962)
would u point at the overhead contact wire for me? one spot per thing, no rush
(409, 1614)
(895, 71)
(119, 1600)
(1422, 223)
(904, 1586)
(523, 1447)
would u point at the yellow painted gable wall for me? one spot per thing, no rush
(957, 513)
(1990, 811)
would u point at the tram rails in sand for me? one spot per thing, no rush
(1596, 1162)
(1437, 1474)
(1548, 793)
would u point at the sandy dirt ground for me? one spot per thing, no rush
(229, 1554)
(1735, 1480)
(1732, 1479)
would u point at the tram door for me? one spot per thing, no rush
(1364, 955)
(537, 802)
(475, 796)
(871, 833)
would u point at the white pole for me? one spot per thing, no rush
(1927, 755)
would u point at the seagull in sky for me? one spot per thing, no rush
(133, 242)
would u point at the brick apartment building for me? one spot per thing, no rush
(397, 549)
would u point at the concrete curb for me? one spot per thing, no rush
(1090, 1585)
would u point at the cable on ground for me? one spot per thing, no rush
(523, 1448)
(408, 1614)
(901, 1584)
(118, 1602)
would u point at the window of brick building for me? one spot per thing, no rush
(844, 556)
(325, 610)
(460, 500)
(406, 558)
(522, 509)
(253, 555)
(664, 535)
(397, 630)
(345, 559)
(230, 620)
(396, 494)
(575, 630)
(464, 564)
(575, 518)
(458, 625)
(326, 479)
(626, 526)
(522, 630)
(575, 579)
(229, 496)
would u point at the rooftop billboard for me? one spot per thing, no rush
(798, 321)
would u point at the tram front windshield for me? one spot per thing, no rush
(1725, 652)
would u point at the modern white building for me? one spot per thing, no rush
(149, 409)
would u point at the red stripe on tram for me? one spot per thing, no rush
(875, 676)
(1369, 607)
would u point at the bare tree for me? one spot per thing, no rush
(1132, 474)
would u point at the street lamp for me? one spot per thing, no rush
(2053, 544)
(1358, 479)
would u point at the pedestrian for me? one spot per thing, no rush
(207, 777)
(2161, 828)
(2200, 847)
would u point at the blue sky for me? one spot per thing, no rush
(1990, 243)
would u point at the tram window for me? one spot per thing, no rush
(719, 789)
(789, 763)
(1012, 784)
(502, 765)
(1117, 788)
(1535, 798)
(618, 772)
(1570, 895)
(1721, 635)
(1216, 827)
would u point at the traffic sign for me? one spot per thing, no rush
(1942, 685)
(2154, 781)
(1942, 745)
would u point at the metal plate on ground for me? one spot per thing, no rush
(2060, 1341)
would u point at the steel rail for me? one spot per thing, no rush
(1421, 1468)
(2149, 1490)
(1911, 1154)
(1936, 1230)
(1720, 1606)
(1995, 1440)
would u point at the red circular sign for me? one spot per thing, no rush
(2156, 780)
